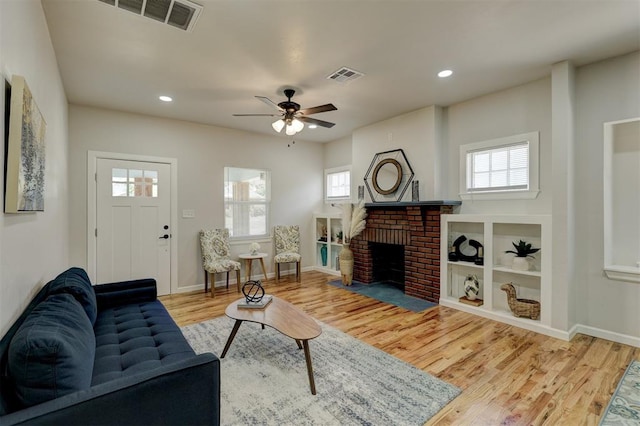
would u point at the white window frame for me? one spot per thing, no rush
(331, 171)
(266, 202)
(533, 189)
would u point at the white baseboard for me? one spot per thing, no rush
(223, 282)
(606, 334)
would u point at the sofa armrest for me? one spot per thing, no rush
(182, 393)
(125, 292)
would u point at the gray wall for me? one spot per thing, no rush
(605, 91)
(587, 97)
(34, 246)
(202, 153)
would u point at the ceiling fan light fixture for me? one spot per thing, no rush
(297, 125)
(290, 131)
(278, 125)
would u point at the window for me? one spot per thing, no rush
(134, 183)
(337, 184)
(247, 194)
(500, 168)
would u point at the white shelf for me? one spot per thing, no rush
(496, 233)
(467, 264)
(514, 271)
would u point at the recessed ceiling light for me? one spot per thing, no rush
(312, 126)
(445, 73)
(165, 98)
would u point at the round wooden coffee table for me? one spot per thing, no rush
(285, 318)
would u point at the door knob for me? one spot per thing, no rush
(164, 237)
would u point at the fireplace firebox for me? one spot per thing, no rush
(388, 263)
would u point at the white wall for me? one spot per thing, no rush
(605, 91)
(202, 153)
(416, 133)
(34, 246)
(520, 109)
(337, 153)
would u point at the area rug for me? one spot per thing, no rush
(264, 379)
(624, 407)
(387, 293)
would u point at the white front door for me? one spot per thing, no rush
(133, 235)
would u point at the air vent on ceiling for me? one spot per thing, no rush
(181, 14)
(345, 75)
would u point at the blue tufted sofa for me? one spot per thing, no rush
(99, 355)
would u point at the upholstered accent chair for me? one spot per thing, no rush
(287, 240)
(215, 257)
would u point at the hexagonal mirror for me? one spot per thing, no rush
(388, 176)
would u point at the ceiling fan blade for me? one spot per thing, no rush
(322, 123)
(318, 109)
(269, 102)
(256, 115)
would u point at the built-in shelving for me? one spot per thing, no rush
(496, 233)
(325, 230)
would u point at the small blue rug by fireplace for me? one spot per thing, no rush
(387, 293)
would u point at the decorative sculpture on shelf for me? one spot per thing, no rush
(524, 308)
(471, 287)
(457, 254)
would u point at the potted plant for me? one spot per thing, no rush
(339, 237)
(523, 250)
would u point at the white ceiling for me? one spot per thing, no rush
(115, 59)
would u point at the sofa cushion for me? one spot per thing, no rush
(52, 353)
(134, 338)
(75, 281)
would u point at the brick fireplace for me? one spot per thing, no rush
(414, 226)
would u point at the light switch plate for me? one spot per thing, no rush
(188, 214)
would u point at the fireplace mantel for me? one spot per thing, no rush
(428, 203)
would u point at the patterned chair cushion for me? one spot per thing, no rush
(287, 257)
(287, 239)
(215, 251)
(222, 265)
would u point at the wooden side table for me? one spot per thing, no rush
(249, 258)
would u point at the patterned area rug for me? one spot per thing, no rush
(264, 379)
(624, 407)
(387, 293)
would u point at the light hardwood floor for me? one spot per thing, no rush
(508, 376)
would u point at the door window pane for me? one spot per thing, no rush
(134, 183)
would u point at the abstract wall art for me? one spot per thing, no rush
(24, 152)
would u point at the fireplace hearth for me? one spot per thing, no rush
(413, 228)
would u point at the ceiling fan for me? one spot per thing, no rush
(292, 118)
